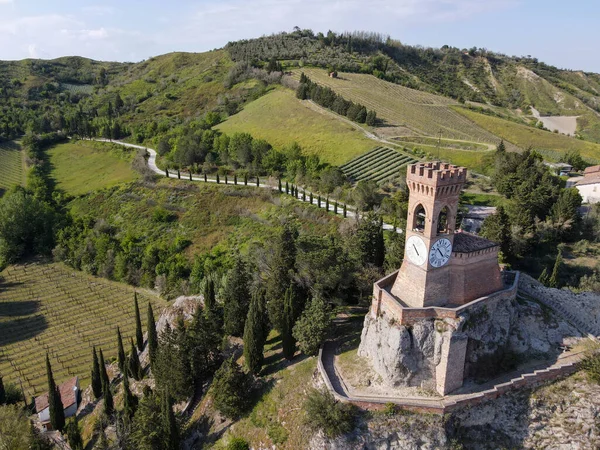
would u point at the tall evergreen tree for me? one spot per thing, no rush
(171, 429)
(254, 334)
(55, 406)
(204, 338)
(139, 334)
(554, 280)
(152, 336)
(171, 368)
(122, 359)
(2, 392)
(369, 239)
(236, 297)
(497, 228)
(312, 326)
(74, 433)
(130, 401)
(209, 294)
(133, 364)
(287, 338)
(282, 265)
(109, 404)
(103, 373)
(96, 376)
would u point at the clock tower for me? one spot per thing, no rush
(425, 276)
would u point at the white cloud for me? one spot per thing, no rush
(98, 10)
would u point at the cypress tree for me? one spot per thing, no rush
(225, 178)
(178, 174)
(190, 175)
(109, 404)
(130, 401)
(254, 334)
(55, 406)
(279, 184)
(152, 336)
(170, 424)
(133, 365)
(218, 181)
(327, 204)
(74, 433)
(139, 335)
(335, 205)
(2, 392)
(319, 201)
(209, 294)
(121, 352)
(96, 377)
(167, 172)
(103, 373)
(205, 178)
(345, 210)
(235, 179)
(304, 194)
(245, 179)
(287, 338)
(287, 188)
(553, 282)
(311, 198)
(380, 246)
(257, 182)
(236, 298)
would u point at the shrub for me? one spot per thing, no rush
(238, 444)
(591, 365)
(323, 412)
(230, 389)
(163, 216)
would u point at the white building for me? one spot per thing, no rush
(69, 395)
(589, 185)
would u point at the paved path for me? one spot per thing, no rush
(186, 176)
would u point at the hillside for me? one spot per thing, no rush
(11, 165)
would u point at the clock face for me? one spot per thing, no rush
(416, 250)
(440, 252)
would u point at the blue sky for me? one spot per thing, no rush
(561, 33)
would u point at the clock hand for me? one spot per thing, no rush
(441, 254)
(416, 250)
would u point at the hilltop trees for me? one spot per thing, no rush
(55, 406)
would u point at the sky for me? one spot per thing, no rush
(564, 34)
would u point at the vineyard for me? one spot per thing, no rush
(49, 308)
(11, 166)
(421, 112)
(380, 164)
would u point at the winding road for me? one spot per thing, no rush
(351, 210)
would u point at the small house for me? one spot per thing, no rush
(589, 185)
(69, 395)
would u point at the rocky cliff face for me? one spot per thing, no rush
(497, 331)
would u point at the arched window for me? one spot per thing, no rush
(442, 223)
(419, 219)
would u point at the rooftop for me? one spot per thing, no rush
(68, 395)
(589, 178)
(467, 243)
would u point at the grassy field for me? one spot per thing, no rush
(11, 165)
(281, 119)
(380, 164)
(423, 113)
(80, 167)
(49, 308)
(552, 145)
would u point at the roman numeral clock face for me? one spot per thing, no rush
(440, 252)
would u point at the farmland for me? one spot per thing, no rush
(421, 112)
(551, 145)
(281, 119)
(380, 164)
(51, 308)
(80, 167)
(11, 165)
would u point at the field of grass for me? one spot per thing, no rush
(380, 164)
(11, 165)
(78, 88)
(49, 308)
(551, 145)
(79, 167)
(280, 118)
(447, 143)
(423, 113)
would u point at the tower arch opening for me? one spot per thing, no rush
(419, 217)
(442, 222)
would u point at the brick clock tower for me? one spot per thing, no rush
(440, 266)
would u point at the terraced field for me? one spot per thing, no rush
(51, 308)
(423, 113)
(380, 164)
(11, 165)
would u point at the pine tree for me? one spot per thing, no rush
(103, 373)
(312, 327)
(130, 401)
(369, 239)
(2, 392)
(287, 338)
(204, 338)
(109, 404)
(74, 434)
(209, 294)
(122, 359)
(170, 424)
(501, 148)
(230, 389)
(236, 298)
(133, 364)
(152, 336)
(497, 228)
(254, 334)
(554, 280)
(96, 377)
(139, 334)
(55, 406)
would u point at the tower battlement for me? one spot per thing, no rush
(436, 173)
